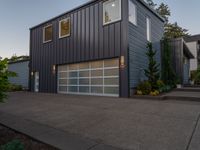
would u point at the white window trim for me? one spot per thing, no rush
(68, 18)
(44, 33)
(120, 9)
(136, 14)
(148, 29)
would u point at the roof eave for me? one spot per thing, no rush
(90, 2)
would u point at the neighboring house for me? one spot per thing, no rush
(193, 42)
(20, 67)
(181, 56)
(98, 48)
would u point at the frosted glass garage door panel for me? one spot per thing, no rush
(111, 81)
(111, 63)
(84, 74)
(97, 90)
(84, 89)
(111, 90)
(90, 78)
(97, 81)
(85, 81)
(73, 89)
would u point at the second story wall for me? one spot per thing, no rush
(89, 40)
(138, 40)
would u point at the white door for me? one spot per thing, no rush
(90, 78)
(36, 86)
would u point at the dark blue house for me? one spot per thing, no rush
(95, 49)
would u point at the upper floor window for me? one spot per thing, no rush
(64, 28)
(47, 34)
(148, 22)
(111, 11)
(132, 13)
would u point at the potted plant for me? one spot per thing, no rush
(178, 83)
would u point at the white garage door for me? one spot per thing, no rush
(90, 78)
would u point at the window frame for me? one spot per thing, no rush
(60, 37)
(136, 13)
(50, 25)
(120, 14)
(148, 29)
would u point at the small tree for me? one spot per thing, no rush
(152, 73)
(173, 30)
(4, 83)
(164, 11)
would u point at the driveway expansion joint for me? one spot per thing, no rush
(193, 132)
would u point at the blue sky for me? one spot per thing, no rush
(17, 16)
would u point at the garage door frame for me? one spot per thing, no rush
(90, 85)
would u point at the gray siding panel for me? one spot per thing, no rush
(138, 41)
(22, 70)
(89, 40)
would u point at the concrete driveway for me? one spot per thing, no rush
(123, 123)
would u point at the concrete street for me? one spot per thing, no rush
(121, 123)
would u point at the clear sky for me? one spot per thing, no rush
(17, 16)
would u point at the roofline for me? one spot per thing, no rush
(187, 51)
(95, 1)
(18, 61)
(152, 10)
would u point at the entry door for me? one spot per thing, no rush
(36, 82)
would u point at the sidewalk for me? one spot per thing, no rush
(51, 136)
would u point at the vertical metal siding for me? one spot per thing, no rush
(89, 40)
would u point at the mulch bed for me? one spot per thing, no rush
(8, 135)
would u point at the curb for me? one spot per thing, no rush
(51, 136)
(188, 90)
(166, 97)
(182, 98)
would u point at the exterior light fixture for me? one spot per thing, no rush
(54, 69)
(122, 62)
(113, 5)
(32, 73)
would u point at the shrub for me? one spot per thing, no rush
(196, 76)
(160, 84)
(144, 87)
(4, 83)
(154, 93)
(166, 88)
(13, 145)
(192, 75)
(139, 92)
(14, 87)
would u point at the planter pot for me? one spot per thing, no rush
(179, 86)
(192, 82)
